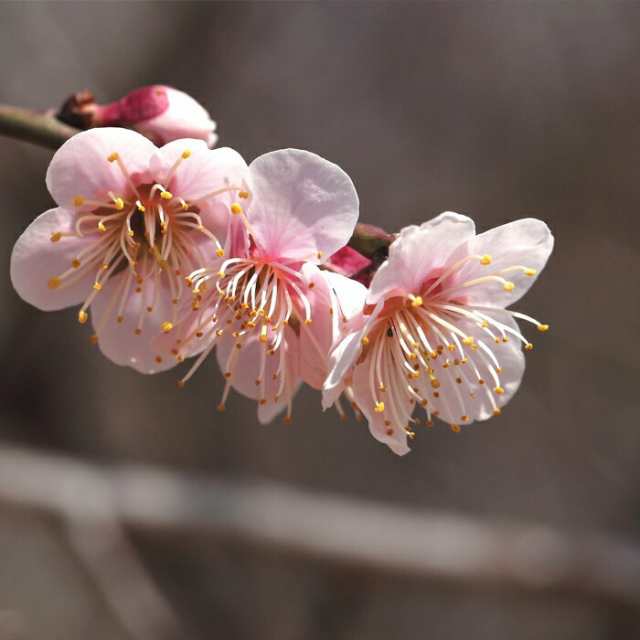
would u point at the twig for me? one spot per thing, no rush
(42, 129)
(433, 546)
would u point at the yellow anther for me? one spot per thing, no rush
(464, 418)
(113, 157)
(186, 154)
(509, 286)
(120, 319)
(243, 194)
(364, 341)
(528, 346)
(55, 236)
(530, 272)
(451, 347)
(101, 227)
(308, 321)
(166, 326)
(455, 428)
(54, 282)
(379, 407)
(184, 205)
(97, 286)
(75, 263)
(499, 390)
(83, 316)
(140, 206)
(484, 324)
(319, 255)
(435, 383)
(263, 333)
(119, 202)
(236, 209)
(497, 411)
(220, 407)
(543, 328)
(485, 260)
(467, 340)
(78, 201)
(416, 301)
(221, 274)
(220, 252)
(166, 195)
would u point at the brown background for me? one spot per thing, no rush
(495, 109)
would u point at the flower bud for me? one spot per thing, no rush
(161, 113)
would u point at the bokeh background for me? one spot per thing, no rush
(500, 110)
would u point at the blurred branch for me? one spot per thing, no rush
(112, 562)
(42, 129)
(370, 537)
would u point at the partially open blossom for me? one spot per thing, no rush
(131, 221)
(273, 314)
(161, 113)
(435, 331)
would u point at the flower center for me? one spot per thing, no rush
(247, 297)
(154, 234)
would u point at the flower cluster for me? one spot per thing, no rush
(177, 251)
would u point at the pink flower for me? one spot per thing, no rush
(161, 113)
(436, 331)
(272, 312)
(132, 220)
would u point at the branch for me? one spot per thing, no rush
(392, 541)
(39, 128)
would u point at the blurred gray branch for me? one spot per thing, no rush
(349, 533)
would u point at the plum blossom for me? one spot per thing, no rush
(270, 309)
(435, 330)
(131, 221)
(160, 113)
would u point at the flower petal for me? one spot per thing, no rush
(131, 341)
(81, 168)
(342, 359)
(417, 252)
(36, 259)
(246, 367)
(395, 438)
(303, 205)
(525, 243)
(460, 393)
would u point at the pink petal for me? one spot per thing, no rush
(303, 205)
(317, 338)
(80, 167)
(417, 252)
(350, 294)
(245, 371)
(343, 358)
(471, 398)
(36, 259)
(119, 341)
(527, 242)
(397, 440)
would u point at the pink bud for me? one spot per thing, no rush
(161, 113)
(348, 262)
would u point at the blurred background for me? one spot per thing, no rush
(499, 110)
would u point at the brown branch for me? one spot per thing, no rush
(430, 546)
